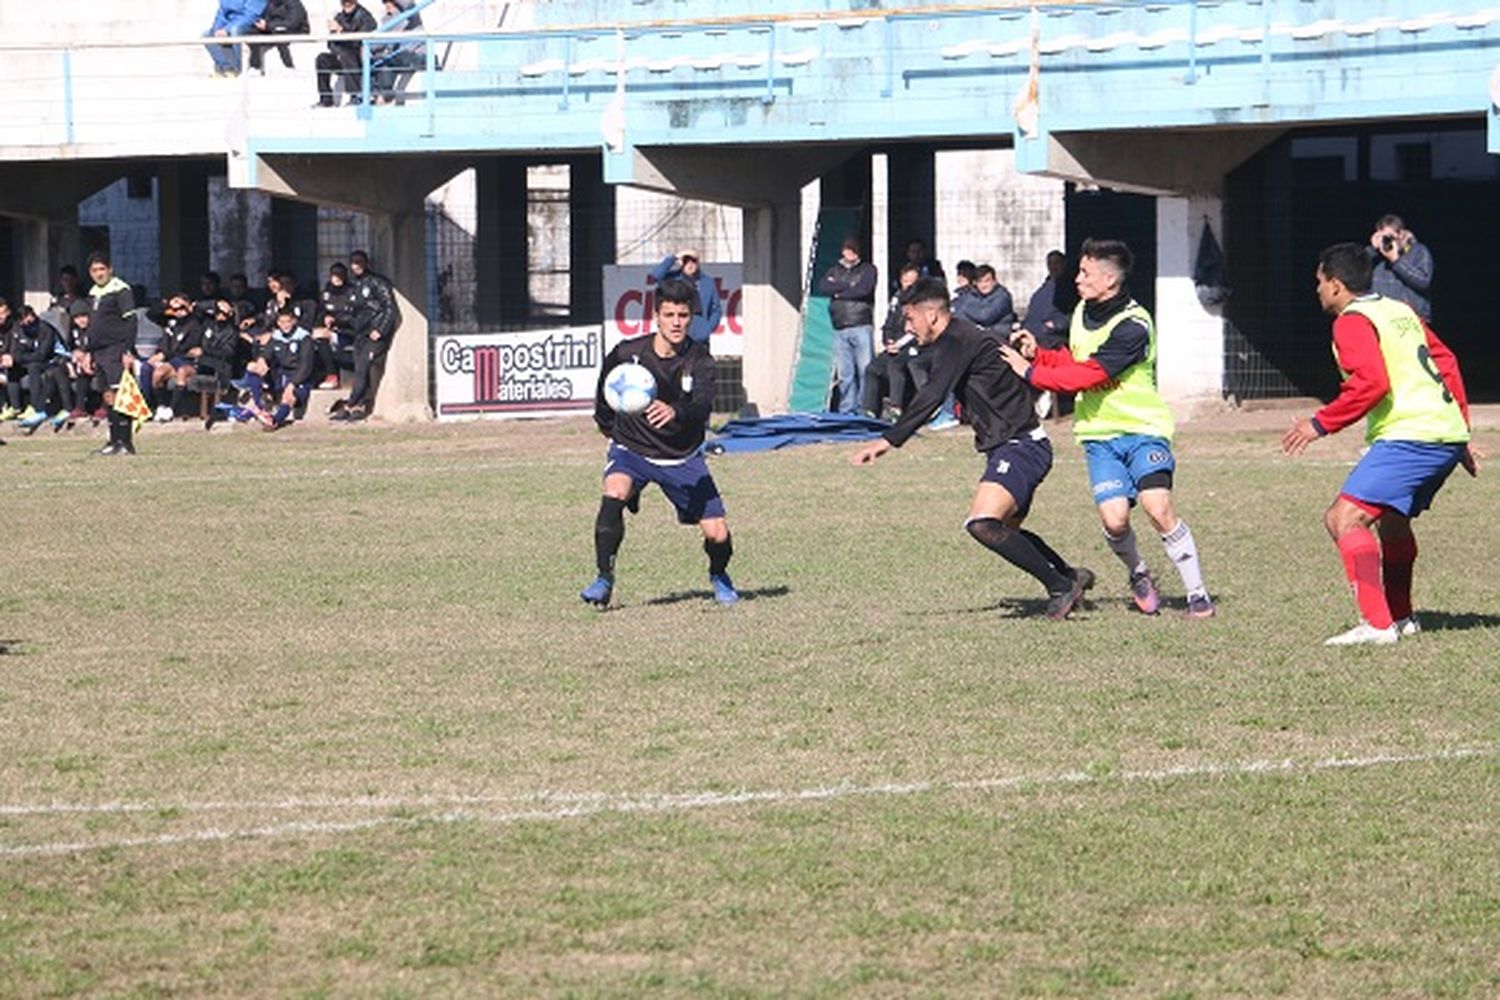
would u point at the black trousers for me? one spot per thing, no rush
(258, 55)
(340, 64)
(369, 365)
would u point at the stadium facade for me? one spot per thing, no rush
(1279, 125)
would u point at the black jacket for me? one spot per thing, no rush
(684, 381)
(375, 305)
(34, 343)
(179, 334)
(112, 317)
(357, 20)
(293, 356)
(852, 290)
(285, 17)
(338, 301)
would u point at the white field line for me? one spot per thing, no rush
(560, 806)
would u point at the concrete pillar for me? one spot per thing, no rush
(1189, 335)
(35, 264)
(773, 300)
(398, 244)
(500, 248)
(182, 224)
(911, 189)
(591, 237)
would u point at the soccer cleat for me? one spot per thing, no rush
(9, 413)
(1200, 606)
(942, 422)
(724, 591)
(1408, 626)
(1143, 590)
(26, 414)
(1085, 577)
(599, 592)
(113, 448)
(63, 420)
(31, 423)
(1365, 634)
(1062, 603)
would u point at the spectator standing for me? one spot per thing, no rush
(850, 287)
(1403, 266)
(376, 318)
(708, 308)
(281, 17)
(343, 60)
(234, 18)
(888, 374)
(1045, 320)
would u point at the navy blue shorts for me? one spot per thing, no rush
(1019, 465)
(1402, 475)
(686, 483)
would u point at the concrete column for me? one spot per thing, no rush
(34, 263)
(591, 237)
(500, 249)
(1189, 335)
(773, 298)
(182, 224)
(398, 243)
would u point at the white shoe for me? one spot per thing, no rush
(1408, 626)
(163, 414)
(1364, 633)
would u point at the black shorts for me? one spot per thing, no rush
(110, 365)
(1019, 465)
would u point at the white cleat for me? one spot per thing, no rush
(1365, 634)
(1408, 626)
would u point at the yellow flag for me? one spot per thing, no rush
(129, 401)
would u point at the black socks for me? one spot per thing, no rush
(609, 532)
(718, 554)
(1018, 549)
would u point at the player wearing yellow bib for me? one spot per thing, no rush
(1406, 384)
(1121, 421)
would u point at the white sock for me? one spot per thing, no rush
(1124, 546)
(1183, 552)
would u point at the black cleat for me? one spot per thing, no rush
(1062, 603)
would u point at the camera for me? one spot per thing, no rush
(1387, 243)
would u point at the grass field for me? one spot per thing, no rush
(320, 713)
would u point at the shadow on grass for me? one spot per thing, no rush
(1447, 621)
(756, 594)
(12, 647)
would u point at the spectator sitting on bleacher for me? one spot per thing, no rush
(292, 372)
(333, 337)
(221, 338)
(257, 375)
(234, 17)
(343, 60)
(281, 17)
(989, 305)
(394, 65)
(13, 376)
(38, 342)
(244, 298)
(67, 293)
(85, 393)
(174, 361)
(210, 287)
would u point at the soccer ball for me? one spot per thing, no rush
(629, 388)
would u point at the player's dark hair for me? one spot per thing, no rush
(99, 257)
(983, 270)
(68, 269)
(287, 311)
(674, 290)
(910, 267)
(1115, 252)
(1349, 263)
(925, 291)
(1390, 219)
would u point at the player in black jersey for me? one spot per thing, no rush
(662, 443)
(965, 360)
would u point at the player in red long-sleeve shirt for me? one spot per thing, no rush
(1406, 384)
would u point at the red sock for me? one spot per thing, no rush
(1396, 558)
(1361, 555)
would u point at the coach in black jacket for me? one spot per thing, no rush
(376, 319)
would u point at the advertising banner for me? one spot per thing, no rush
(528, 373)
(629, 305)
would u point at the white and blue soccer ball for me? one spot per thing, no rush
(629, 387)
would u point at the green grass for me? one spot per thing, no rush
(242, 633)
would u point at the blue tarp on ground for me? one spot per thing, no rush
(770, 433)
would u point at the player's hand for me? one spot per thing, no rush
(1013, 357)
(659, 414)
(1472, 460)
(374, 335)
(870, 452)
(1298, 436)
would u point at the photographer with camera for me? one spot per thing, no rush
(1403, 266)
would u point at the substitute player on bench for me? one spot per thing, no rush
(1018, 456)
(1406, 384)
(661, 444)
(1121, 421)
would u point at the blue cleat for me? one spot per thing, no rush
(724, 591)
(31, 423)
(598, 593)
